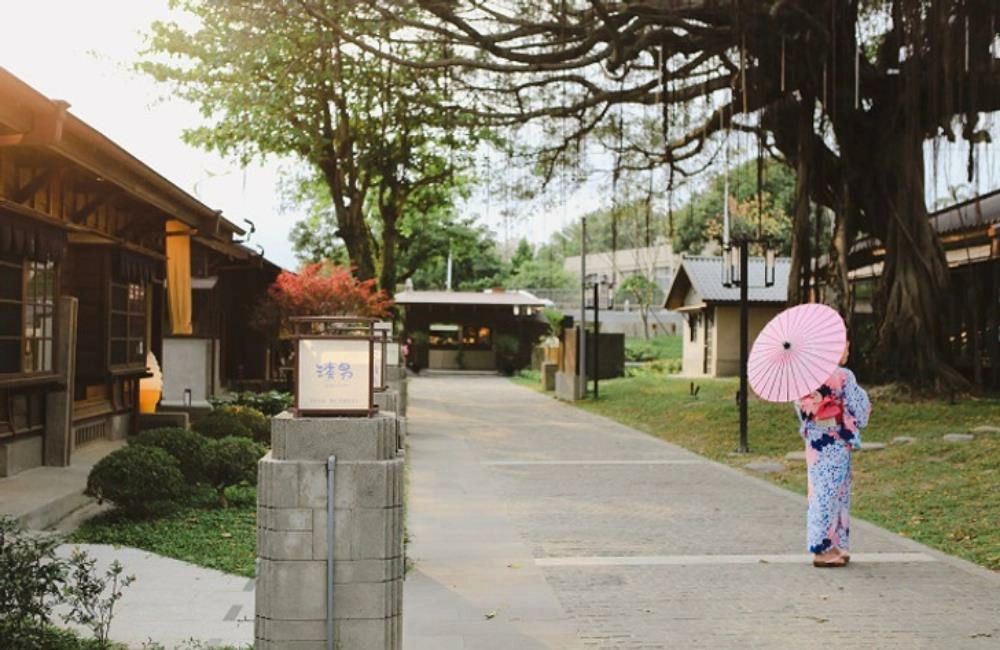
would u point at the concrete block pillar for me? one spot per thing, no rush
(292, 544)
(387, 400)
(570, 386)
(59, 403)
(396, 380)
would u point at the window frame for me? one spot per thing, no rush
(131, 314)
(34, 301)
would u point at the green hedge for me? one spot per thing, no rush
(256, 422)
(232, 461)
(188, 448)
(139, 479)
(222, 423)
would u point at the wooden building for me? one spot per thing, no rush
(712, 312)
(222, 350)
(86, 286)
(970, 235)
(465, 330)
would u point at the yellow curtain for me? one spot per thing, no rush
(179, 277)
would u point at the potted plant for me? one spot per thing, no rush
(506, 348)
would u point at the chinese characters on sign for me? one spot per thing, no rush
(331, 370)
(334, 375)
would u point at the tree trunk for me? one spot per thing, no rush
(838, 287)
(390, 240)
(351, 226)
(798, 278)
(354, 231)
(912, 331)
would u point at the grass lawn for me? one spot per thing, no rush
(529, 378)
(656, 348)
(200, 532)
(945, 495)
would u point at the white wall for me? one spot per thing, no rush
(187, 364)
(727, 336)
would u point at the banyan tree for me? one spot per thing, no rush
(846, 91)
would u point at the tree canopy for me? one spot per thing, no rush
(382, 152)
(699, 220)
(846, 91)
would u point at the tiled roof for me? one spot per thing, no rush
(980, 211)
(705, 275)
(496, 298)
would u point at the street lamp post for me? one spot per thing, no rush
(597, 282)
(740, 246)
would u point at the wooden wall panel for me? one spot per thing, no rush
(86, 278)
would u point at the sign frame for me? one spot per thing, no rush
(363, 331)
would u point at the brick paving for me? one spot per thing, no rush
(513, 494)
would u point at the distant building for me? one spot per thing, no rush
(658, 263)
(712, 312)
(463, 330)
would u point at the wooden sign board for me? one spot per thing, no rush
(333, 376)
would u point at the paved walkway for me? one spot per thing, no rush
(537, 525)
(172, 602)
(43, 496)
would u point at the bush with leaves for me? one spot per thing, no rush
(256, 422)
(91, 597)
(231, 461)
(222, 423)
(507, 347)
(270, 403)
(139, 479)
(319, 289)
(30, 580)
(186, 447)
(34, 579)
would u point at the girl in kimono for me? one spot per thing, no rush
(831, 420)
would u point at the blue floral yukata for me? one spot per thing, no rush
(831, 421)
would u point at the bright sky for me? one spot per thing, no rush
(82, 52)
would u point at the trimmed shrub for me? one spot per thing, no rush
(231, 461)
(140, 480)
(186, 447)
(258, 423)
(269, 403)
(221, 423)
(31, 577)
(506, 348)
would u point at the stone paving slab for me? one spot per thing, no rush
(173, 602)
(505, 476)
(43, 496)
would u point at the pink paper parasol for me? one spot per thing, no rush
(796, 352)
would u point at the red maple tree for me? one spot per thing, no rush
(320, 289)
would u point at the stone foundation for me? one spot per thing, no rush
(569, 386)
(292, 534)
(388, 400)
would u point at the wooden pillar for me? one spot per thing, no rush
(59, 403)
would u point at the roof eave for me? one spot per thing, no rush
(72, 139)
